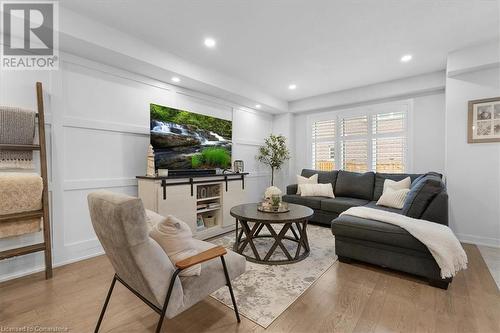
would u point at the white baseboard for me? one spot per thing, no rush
(478, 240)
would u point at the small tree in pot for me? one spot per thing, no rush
(274, 153)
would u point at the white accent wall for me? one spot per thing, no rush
(98, 134)
(473, 170)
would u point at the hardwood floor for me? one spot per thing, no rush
(347, 298)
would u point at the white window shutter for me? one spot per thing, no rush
(323, 147)
(375, 140)
(389, 142)
(355, 155)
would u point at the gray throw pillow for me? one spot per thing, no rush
(423, 190)
(324, 177)
(355, 185)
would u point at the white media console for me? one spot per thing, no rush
(202, 201)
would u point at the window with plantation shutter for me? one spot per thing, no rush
(355, 155)
(355, 126)
(354, 143)
(389, 155)
(389, 142)
(375, 140)
(323, 145)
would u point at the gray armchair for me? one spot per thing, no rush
(143, 267)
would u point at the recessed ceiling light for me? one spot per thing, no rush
(292, 86)
(210, 42)
(176, 79)
(258, 106)
(406, 58)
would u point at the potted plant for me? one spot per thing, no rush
(274, 153)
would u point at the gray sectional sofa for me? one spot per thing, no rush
(373, 241)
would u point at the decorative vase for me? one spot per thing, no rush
(270, 191)
(275, 201)
(163, 172)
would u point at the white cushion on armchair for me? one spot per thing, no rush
(176, 239)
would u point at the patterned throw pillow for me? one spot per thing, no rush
(390, 184)
(394, 194)
(393, 198)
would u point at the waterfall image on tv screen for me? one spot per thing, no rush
(187, 140)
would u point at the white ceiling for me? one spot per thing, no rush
(320, 45)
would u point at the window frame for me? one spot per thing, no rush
(369, 110)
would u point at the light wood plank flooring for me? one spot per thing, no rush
(491, 256)
(347, 298)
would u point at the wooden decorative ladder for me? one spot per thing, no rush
(44, 212)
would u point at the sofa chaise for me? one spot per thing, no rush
(374, 241)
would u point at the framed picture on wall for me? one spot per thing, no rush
(484, 120)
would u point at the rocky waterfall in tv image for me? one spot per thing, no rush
(186, 140)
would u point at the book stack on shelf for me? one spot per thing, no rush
(208, 206)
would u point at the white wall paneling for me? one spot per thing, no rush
(78, 228)
(251, 126)
(98, 128)
(112, 154)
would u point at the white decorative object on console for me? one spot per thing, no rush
(150, 172)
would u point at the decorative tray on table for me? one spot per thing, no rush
(283, 208)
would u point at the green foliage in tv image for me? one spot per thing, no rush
(211, 157)
(220, 126)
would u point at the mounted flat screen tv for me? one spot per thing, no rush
(187, 140)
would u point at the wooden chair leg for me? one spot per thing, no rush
(167, 299)
(228, 283)
(105, 304)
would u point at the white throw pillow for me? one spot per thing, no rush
(304, 180)
(393, 198)
(176, 239)
(152, 219)
(390, 184)
(316, 190)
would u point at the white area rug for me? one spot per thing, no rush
(264, 292)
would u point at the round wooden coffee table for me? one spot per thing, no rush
(253, 221)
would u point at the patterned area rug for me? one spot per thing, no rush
(264, 292)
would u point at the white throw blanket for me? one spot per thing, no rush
(439, 239)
